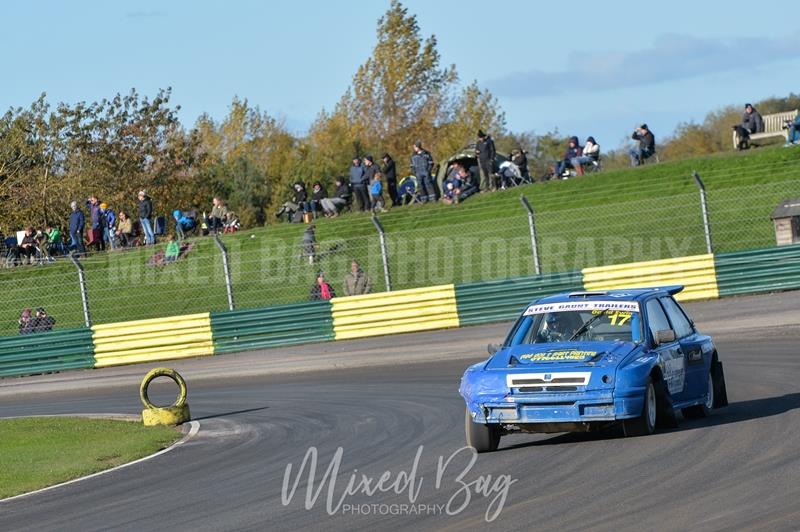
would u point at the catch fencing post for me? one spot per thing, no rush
(87, 317)
(384, 252)
(226, 268)
(537, 265)
(704, 205)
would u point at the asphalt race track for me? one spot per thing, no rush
(739, 469)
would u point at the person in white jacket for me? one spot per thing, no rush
(591, 155)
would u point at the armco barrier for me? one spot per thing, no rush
(155, 339)
(418, 309)
(696, 273)
(295, 323)
(758, 270)
(46, 352)
(504, 299)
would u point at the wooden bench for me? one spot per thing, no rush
(773, 127)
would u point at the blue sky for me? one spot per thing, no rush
(597, 70)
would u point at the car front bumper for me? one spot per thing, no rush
(582, 407)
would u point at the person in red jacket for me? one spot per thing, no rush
(322, 290)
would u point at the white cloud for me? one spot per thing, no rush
(672, 57)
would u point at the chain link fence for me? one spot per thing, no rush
(487, 241)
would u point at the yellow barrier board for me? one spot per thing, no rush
(417, 309)
(150, 340)
(697, 273)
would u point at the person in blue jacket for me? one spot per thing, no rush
(77, 221)
(183, 223)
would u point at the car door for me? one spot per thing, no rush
(670, 354)
(690, 342)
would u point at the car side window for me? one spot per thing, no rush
(656, 319)
(680, 324)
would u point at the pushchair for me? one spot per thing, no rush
(510, 175)
(407, 191)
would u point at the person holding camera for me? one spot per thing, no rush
(645, 145)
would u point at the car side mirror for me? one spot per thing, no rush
(664, 337)
(492, 348)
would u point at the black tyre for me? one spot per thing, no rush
(482, 438)
(720, 390)
(645, 424)
(702, 410)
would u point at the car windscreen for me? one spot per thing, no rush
(584, 322)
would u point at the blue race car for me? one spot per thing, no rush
(582, 361)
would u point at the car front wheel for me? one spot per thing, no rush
(645, 424)
(481, 437)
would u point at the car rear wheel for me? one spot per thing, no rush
(483, 438)
(702, 410)
(645, 424)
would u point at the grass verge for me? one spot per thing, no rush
(42, 451)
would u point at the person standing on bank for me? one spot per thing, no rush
(486, 153)
(370, 169)
(389, 172)
(421, 167)
(145, 212)
(359, 184)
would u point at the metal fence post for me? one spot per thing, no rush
(226, 268)
(704, 205)
(87, 317)
(384, 252)
(537, 265)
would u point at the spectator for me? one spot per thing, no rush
(26, 323)
(183, 223)
(124, 229)
(27, 248)
(645, 147)
(421, 167)
(54, 242)
(370, 169)
(468, 186)
(574, 150)
(173, 250)
(751, 123)
(376, 193)
(318, 193)
(340, 199)
(308, 244)
(43, 322)
(389, 172)
(591, 155)
(358, 182)
(486, 153)
(299, 201)
(793, 138)
(145, 213)
(219, 212)
(96, 228)
(452, 185)
(321, 289)
(357, 281)
(77, 221)
(520, 158)
(107, 220)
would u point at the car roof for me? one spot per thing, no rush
(624, 294)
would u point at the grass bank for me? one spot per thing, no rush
(610, 217)
(42, 451)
